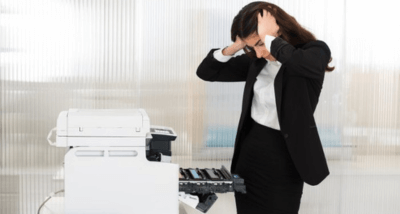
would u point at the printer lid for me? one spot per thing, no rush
(103, 123)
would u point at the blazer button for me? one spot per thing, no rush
(286, 135)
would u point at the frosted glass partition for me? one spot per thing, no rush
(61, 54)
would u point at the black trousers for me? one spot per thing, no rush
(272, 182)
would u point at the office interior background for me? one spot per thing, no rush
(97, 54)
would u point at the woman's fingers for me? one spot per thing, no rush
(265, 14)
(262, 25)
(267, 24)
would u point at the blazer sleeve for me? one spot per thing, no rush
(234, 70)
(309, 61)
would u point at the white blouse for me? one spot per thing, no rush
(263, 108)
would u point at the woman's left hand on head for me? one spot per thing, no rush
(267, 25)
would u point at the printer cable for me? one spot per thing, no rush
(48, 198)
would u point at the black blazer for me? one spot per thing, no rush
(298, 85)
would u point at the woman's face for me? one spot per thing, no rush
(254, 42)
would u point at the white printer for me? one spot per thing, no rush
(118, 164)
(106, 169)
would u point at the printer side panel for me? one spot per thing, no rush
(119, 181)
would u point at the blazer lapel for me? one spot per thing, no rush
(255, 69)
(258, 66)
(278, 90)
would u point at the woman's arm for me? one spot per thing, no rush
(234, 70)
(309, 61)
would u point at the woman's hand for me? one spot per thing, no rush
(267, 25)
(235, 47)
(239, 44)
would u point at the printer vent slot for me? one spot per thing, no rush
(122, 153)
(89, 153)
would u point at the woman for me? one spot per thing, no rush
(277, 145)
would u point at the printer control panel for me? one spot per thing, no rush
(159, 147)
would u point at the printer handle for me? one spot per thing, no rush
(49, 136)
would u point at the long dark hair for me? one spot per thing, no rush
(245, 24)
